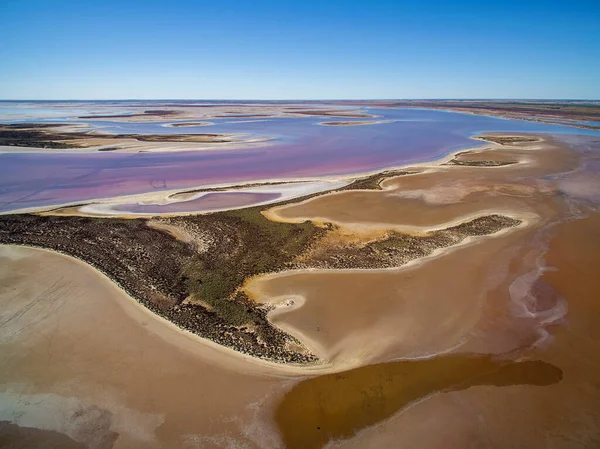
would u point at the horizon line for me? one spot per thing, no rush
(307, 99)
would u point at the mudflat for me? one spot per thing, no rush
(200, 286)
(56, 137)
(553, 403)
(431, 196)
(468, 337)
(81, 359)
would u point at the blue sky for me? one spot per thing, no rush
(299, 49)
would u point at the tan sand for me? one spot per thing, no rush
(437, 195)
(182, 112)
(188, 124)
(76, 347)
(430, 306)
(562, 415)
(99, 144)
(357, 123)
(82, 359)
(196, 202)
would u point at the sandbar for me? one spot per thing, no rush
(356, 123)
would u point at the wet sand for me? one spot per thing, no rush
(214, 201)
(356, 123)
(350, 317)
(484, 351)
(365, 316)
(135, 383)
(173, 203)
(562, 414)
(440, 194)
(82, 359)
(336, 406)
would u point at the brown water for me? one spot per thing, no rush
(564, 414)
(336, 406)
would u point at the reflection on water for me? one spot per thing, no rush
(336, 406)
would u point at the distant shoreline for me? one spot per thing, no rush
(356, 123)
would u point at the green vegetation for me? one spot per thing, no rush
(34, 136)
(507, 140)
(50, 136)
(372, 182)
(246, 244)
(161, 272)
(196, 283)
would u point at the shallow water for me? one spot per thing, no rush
(336, 406)
(208, 202)
(301, 148)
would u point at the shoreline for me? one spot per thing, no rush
(286, 191)
(525, 221)
(356, 123)
(350, 177)
(132, 146)
(274, 368)
(432, 241)
(289, 303)
(432, 167)
(81, 138)
(270, 367)
(478, 107)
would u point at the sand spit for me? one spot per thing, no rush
(138, 381)
(202, 293)
(35, 138)
(334, 113)
(161, 272)
(134, 381)
(572, 113)
(357, 123)
(352, 317)
(438, 193)
(201, 201)
(187, 124)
